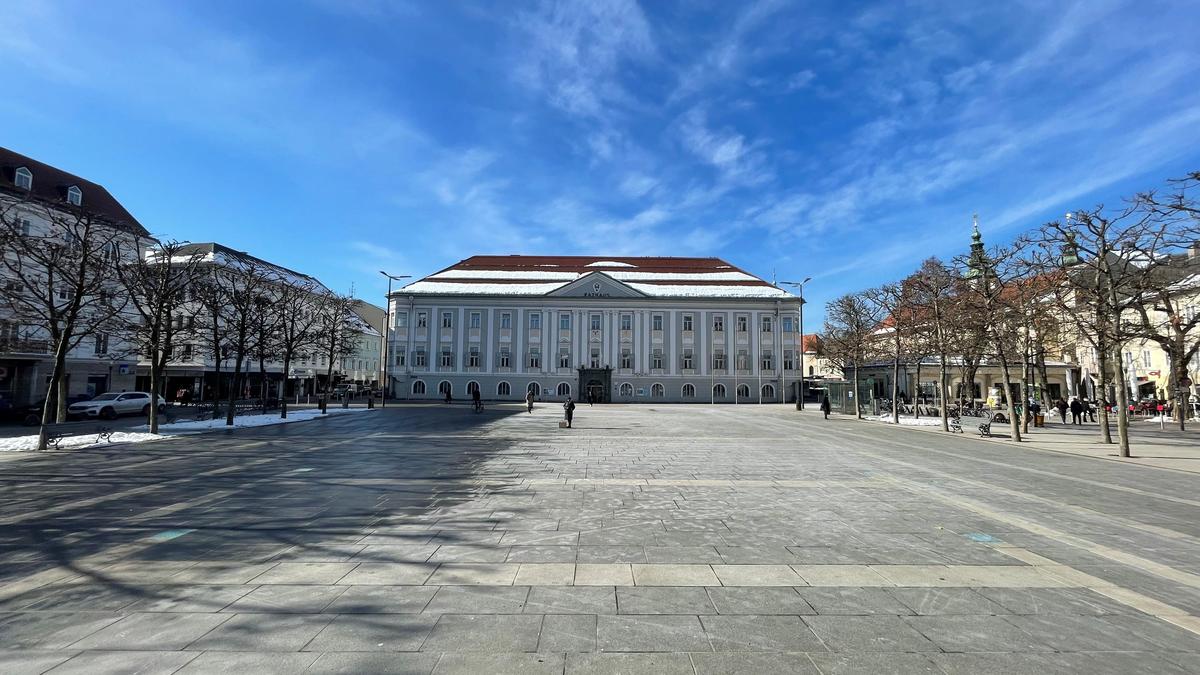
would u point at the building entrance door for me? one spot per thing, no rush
(596, 382)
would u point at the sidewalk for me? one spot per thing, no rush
(1168, 448)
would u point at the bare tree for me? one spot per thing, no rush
(892, 302)
(335, 334)
(933, 292)
(849, 336)
(60, 281)
(297, 304)
(157, 282)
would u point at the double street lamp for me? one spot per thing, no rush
(800, 285)
(384, 352)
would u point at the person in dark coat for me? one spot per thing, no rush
(569, 411)
(1062, 410)
(449, 398)
(825, 407)
(529, 401)
(1076, 411)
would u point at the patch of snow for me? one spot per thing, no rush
(910, 421)
(682, 276)
(450, 288)
(609, 263)
(29, 443)
(506, 274)
(521, 275)
(244, 421)
(673, 291)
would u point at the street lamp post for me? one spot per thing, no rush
(800, 392)
(385, 353)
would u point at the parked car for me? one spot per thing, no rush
(112, 405)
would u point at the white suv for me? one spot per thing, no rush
(110, 406)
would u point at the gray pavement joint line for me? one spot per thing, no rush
(1157, 569)
(1134, 524)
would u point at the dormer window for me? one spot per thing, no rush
(75, 195)
(24, 178)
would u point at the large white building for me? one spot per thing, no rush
(623, 329)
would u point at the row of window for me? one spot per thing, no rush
(23, 179)
(475, 320)
(687, 359)
(657, 390)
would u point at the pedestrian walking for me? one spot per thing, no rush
(1076, 411)
(449, 398)
(569, 411)
(1061, 406)
(1089, 409)
(825, 407)
(529, 401)
(475, 400)
(591, 398)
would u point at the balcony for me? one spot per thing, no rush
(24, 346)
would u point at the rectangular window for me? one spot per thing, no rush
(766, 324)
(419, 358)
(401, 319)
(564, 358)
(1145, 358)
(595, 321)
(535, 358)
(422, 320)
(506, 320)
(787, 324)
(718, 361)
(742, 324)
(186, 354)
(768, 361)
(789, 359)
(505, 359)
(626, 322)
(657, 322)
(687, 359)
(626, 359)
(447, 358)
(535, 321)
(447, 320)
(25, 227)
(687, 323)
(564, 321)
(475, 319)
(400, 357)
(718, 323)
(473, 357)
(101, 344)
(656, 360)
(743, 361)
(595, 357)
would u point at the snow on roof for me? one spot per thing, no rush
(609, 263)
(518, 275)
(682, 291)
(450, 288)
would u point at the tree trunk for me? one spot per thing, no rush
(287, 363)
(857, 403)
(916, 397)
(1122, 407)
(896, 390)
(1007, 378)
(942, 393)
(1026, 376)
(1178, 374)
(53, 393)
(233, 390)
(155, 373)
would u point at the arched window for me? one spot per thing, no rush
(444, 387)
(743, 391)
(75, 195)
(24, 178)
(535, 388)
(418, 387)
(810, 371)
(689, 391)
(768, 391)
(472, 387)
(657, 390)
(503, 389)
(719, 391)
(564, 389)
(626, 389)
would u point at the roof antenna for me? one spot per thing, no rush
(773, 277)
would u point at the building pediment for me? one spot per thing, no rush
(596, 285)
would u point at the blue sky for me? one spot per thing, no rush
(842, 141)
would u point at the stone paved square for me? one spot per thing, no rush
(662, 539)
